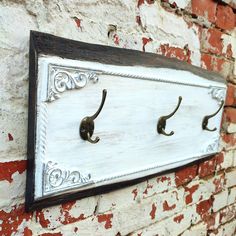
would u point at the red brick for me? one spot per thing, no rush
(211, 220)
(153, 211)
(64, 218)
(51, 234)
(206, 61)
(227, 214)
(225, 17)
(149, 186)
(174, 52)
(185, 175)
(10, 221)
(140, 2)
(231, 95)
(205, 8)
(212, 42)
(138, 20)
(7, 169)
(203, 207)
(135, 192)
(189, 191)
(27, 232)
(229, 115)
(179, 218)
(216, 64)
(41, 219)
(146, 41)
(10, 137)
(219, 160)
(229, 139)
(167, 207)
(219, 183)
(65, 212)
(107, 218)
(207, 167)
(78, 22)
(229, 52)
(116, 39)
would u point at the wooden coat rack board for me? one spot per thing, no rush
(101, 118)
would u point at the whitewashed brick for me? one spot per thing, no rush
(181, 3)
(170, 203)
(12, 193)
(202, 189)
(58, 215)
(170, 29)
(228, 160)
(232, 196)
(196, 230)
(159, 184)
(225, 230)
(226, 40)
(220, 200)
(172, 226)
(230, 178)
(120, 198)
(234, 158)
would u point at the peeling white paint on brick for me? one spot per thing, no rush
(232, 196)
(196, 230)
(225, 230)
(229, 40)
(169, 28)
(230, 178)
(12, 193)
(181, 3)
(231, 128)
(220, 200)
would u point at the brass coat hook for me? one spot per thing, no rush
(87, 124)
(206, 119)
(161, 125)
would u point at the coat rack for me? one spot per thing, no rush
(102, 118)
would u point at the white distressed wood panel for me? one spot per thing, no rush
(129, 145)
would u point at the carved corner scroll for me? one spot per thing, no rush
(62, 78)
(218, 94)
(56, 178)
(212, 146)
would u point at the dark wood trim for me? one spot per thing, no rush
(71, 49)
(41, 43)
(32, 101)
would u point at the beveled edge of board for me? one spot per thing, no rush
(76, 50)
(42, 43)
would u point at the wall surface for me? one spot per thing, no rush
(196, 200)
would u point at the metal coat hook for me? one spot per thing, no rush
(87, 124)
(161, 125)
(206, 119)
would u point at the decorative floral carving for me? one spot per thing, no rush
(58, 179)
(212, 147)
(218, 93)
(42, 130)
(62, 79)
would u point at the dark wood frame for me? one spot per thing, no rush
(41, 43)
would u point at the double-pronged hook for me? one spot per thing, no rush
(87, 124)
(161, 125)
(206, 119)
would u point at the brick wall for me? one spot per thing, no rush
(196, 200)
